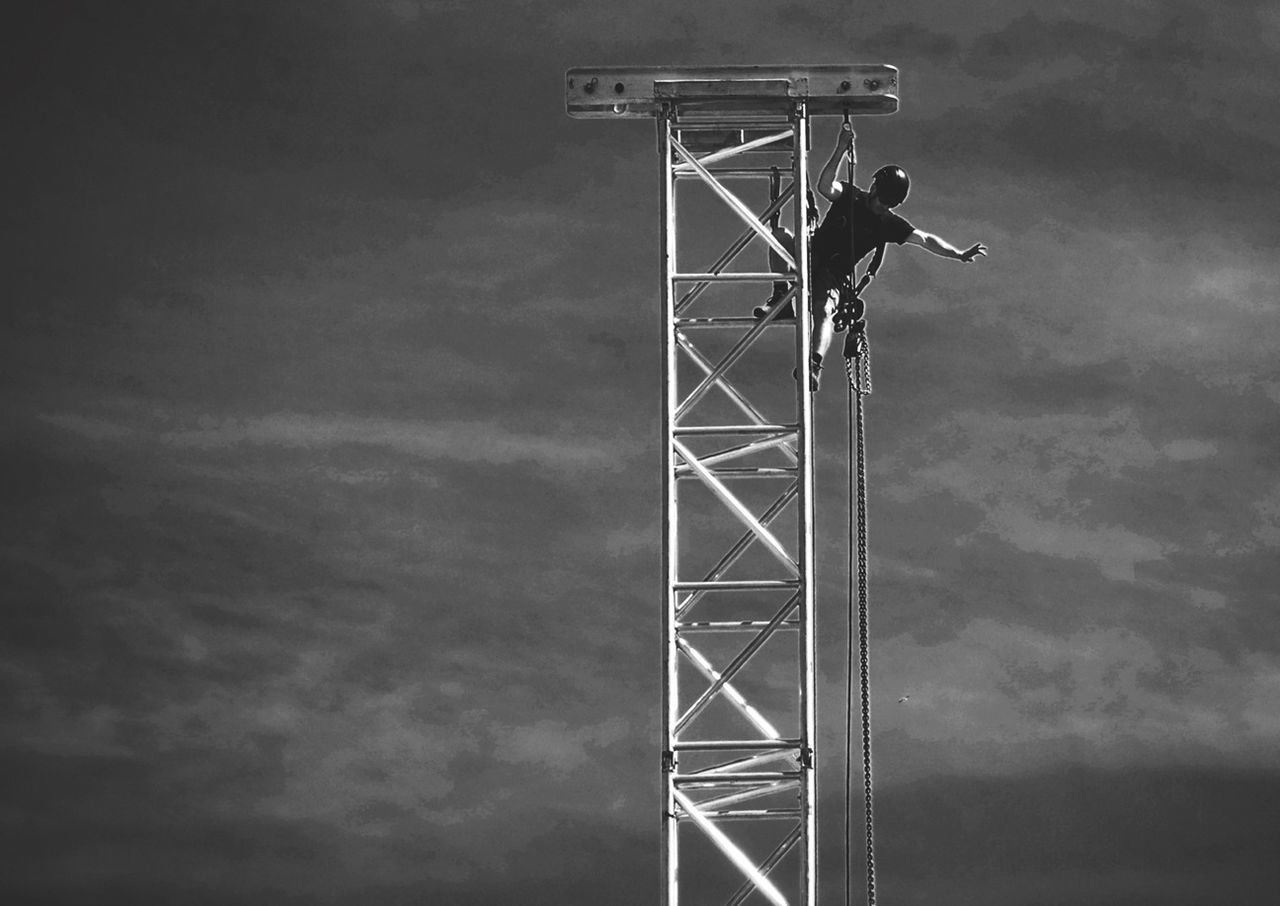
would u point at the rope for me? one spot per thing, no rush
(857, 364)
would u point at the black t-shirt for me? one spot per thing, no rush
(831, 241)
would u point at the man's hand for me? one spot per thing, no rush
(968, 256)
(829, 179)
(847, 139)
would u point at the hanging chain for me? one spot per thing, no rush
(859, 377)
(857, 358)
(863, 635)
(848, 676)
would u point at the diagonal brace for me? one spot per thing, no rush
(768, 865)
(738, 452)
(723, 153)
(735, 396)
(736, 698)
(770, 788)
(731, 253)
(734, 854)
(740, 661)
(736, 204)
(730, 359)
(738, 508)
(740, 547)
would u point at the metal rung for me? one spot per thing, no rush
(749, 814)
(711, 430)
(692, 122)
(761, 472)
(696, 323)
(749, 760)
(734, 277)
(730, 626)
(695, 781)
(733, 172)
(737, 585)
(716, 745)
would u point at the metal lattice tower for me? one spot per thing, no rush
(739, 814)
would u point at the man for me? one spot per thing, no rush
(836, 248)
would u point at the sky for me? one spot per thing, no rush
(332, 440)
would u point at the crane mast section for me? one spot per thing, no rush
(739, 727)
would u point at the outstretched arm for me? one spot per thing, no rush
(829, 178)
(944, 249)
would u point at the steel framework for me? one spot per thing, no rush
(739, 730)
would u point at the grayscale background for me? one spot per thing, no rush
(330, 392)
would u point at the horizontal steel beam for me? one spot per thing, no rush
(734, 277)
(754, 144)
(696, 781)
(712, 430)
(735, 626)
(746, 745)
(743, 321)
(643, 91)
(733, 173)
(737, 585)
(760, 472)
(720, 124)
(751, 814)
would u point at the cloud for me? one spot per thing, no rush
(467, 441)
(1023, 475)
(343, 383)
(1100, 696)
(1267, 507)
(554, 745)
(482, 441)
(1187, 448)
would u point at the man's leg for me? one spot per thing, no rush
(778, 266)
(824, 329)
(823, 308)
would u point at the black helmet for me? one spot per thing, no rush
(890, 186)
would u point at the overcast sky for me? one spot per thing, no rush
(331, 514)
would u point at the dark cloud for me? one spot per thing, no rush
(1081, 834)
(330, 513)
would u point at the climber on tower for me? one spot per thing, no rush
(835, 249)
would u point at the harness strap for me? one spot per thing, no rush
(876, 260)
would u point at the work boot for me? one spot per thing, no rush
(762, 311)
(815, 372)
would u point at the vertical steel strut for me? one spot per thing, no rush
(753, 817)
